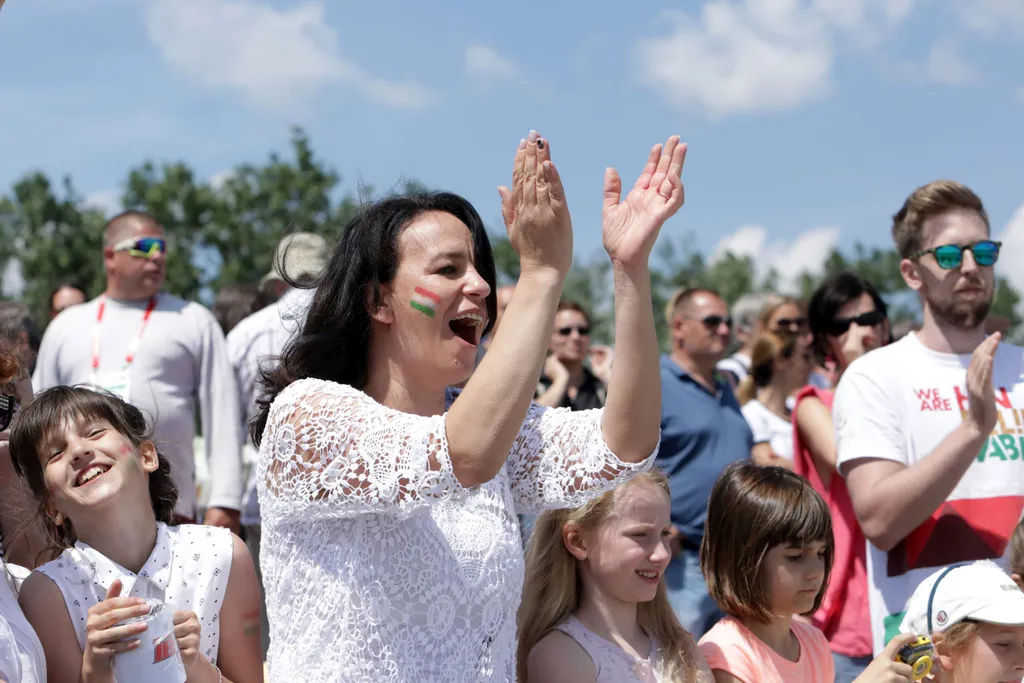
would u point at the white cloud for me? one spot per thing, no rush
(1012, 252)
(790, 259)
(992, 16)
(486, 67)
(107, 200)
(947, 65)
(218, 179)
(757, 55)
(276, 59)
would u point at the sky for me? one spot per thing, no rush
(808, 121)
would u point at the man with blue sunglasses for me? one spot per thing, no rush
(930, 429)
(161, 353)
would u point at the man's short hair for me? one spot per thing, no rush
(925, 202)
(682, 297)
(116, 228)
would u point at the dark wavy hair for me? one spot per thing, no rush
(334, 342)
(49, 412)
(830, 296)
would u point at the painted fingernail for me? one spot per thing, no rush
(533, 136)
(540, 143)
(522, 144)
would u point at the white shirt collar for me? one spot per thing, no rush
(156, 570)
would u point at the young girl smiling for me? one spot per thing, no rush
(107, 497)
(594, 605)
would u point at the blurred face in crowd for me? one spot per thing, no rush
(129, 274)
(570, 340)
(65, 297)
(702, 328)
(857, 324)
(434, 310)
(788, 318)
(959, 297)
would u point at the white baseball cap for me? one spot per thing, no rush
(298, 254)
(979, 591)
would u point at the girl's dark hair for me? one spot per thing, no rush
(48, 413)
(334, 342)
(830, 296)
(752, 509)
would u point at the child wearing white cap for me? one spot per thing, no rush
(975, 615)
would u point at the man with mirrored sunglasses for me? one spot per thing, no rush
(165, 355)
(702, 432)
(928, 429)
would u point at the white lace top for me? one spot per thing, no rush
(188, 568)
(378, 564)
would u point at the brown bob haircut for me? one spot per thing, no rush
(53, 409)
(753, 509)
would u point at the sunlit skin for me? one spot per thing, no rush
(133, 277)
(995, 655)
(414, 349)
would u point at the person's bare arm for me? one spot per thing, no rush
(814, 423)
(892, 499)
(559, 376)
(762, 454)
(632, 412)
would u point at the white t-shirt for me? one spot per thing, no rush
(738, 364)
(21, 654)
(769, 428)
(898, 403)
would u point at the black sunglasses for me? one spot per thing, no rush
(713, 322)
(8, 406)
(791, 324)
(839, 326)
(566, 331)
(950, 256)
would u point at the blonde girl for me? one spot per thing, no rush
(594, 606)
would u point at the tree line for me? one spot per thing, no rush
(225, 233)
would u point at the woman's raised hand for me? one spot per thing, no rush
(630, 227)
(535, 212)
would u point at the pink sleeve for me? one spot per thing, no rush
(725, 652)
(820, 655)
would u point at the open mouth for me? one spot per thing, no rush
(467, 327)
(649, 577)
(90, 474)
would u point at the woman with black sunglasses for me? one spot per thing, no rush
(848, 318)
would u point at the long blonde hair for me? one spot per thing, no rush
(552, 591)
(768, 350)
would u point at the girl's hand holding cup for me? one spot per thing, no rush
(105, 637)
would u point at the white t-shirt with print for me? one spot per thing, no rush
(898, 403)
(769, 428)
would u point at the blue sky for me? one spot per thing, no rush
(808, 121)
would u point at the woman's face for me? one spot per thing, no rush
(434, 311)
(570, 340)
(866, 337)
(795, 369)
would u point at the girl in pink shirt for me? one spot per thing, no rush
(766, 557)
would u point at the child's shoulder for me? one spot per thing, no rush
(558, 657)
(810, 635)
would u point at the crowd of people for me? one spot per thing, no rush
(417, 475)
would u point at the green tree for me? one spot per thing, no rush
(53, 236)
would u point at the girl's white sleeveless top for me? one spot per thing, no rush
(611, 661)
(188, 568)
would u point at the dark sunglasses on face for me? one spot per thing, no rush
(144, 247)
(8, 406)
(839, 326)
(566, 331)
(791, 324)
(713, 322)
(950, 256)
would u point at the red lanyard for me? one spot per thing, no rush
(132, 347)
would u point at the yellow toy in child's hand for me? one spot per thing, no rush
(918, 655)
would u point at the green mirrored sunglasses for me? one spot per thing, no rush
(950, 256)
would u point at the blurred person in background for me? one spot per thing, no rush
(780, 366)
(16, 317)
(234, 303)
(161, 353)
(848, 318)
(702, 433)
(254, 345)
(746, 317)
(566, 381)
(65, 295)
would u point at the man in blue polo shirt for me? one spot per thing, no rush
(702, 431)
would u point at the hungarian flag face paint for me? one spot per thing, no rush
(425, 301)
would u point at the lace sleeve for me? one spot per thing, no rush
(331, 450)
(560, 459)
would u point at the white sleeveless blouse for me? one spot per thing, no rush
(188, 568)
